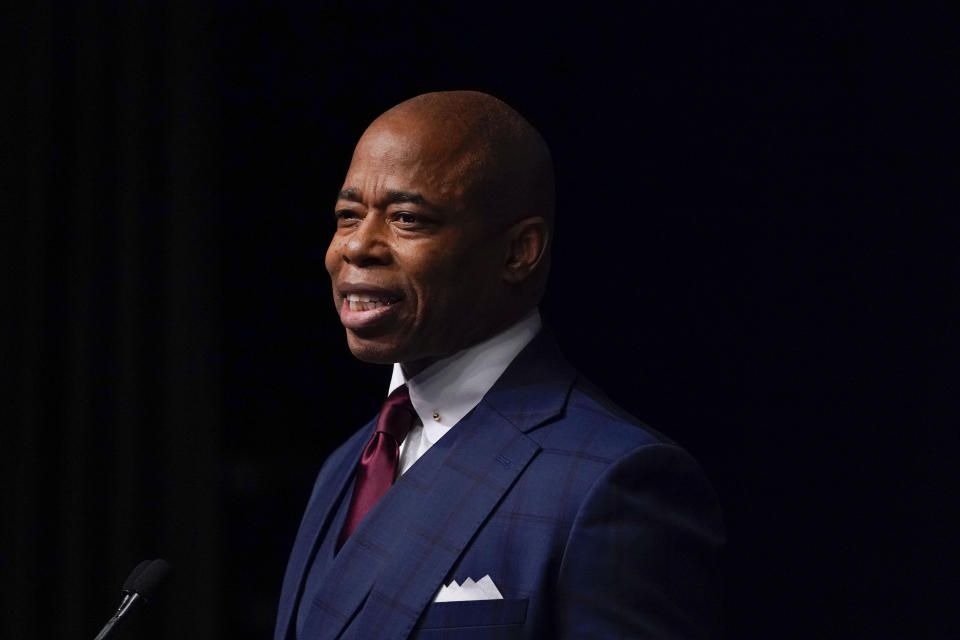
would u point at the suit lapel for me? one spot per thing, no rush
(536, 385)
(328, 489)
(393, 564)
(396, 559)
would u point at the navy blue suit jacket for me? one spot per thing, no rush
(590, 524)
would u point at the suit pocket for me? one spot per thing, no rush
(474, 613)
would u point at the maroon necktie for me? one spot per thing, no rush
(378, 464)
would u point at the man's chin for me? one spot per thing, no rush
(382, 351)
(373, 351)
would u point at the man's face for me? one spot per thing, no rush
(416, 269)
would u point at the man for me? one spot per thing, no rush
(497, 494)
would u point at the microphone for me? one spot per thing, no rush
(127, 587)
(139, 585)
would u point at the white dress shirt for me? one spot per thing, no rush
(448, 389)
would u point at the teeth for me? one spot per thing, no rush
(358, 297)
(365, 302)
(366, 306)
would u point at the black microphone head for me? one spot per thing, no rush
(137, 570)
(152, 575)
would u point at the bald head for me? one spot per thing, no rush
(443, 232)
(501, 162)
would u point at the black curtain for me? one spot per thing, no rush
(111, 449)
(756, 253)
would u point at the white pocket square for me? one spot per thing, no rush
(482, 589)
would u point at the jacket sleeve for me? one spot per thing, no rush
(641, 560)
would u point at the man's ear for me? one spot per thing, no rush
(529, 239)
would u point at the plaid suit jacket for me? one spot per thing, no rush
(590, 524)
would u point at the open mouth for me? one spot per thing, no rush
(366, 302)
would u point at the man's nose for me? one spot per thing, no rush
(367, 245)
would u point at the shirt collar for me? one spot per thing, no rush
(446, 391)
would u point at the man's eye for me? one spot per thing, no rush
(344, 214)
(407, 218)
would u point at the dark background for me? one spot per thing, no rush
(756, 254)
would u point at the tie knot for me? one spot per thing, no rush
(397, 414)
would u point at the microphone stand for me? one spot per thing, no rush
(128, 601)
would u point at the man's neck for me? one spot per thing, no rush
(412, 368)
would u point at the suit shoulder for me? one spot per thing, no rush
(592, 422)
